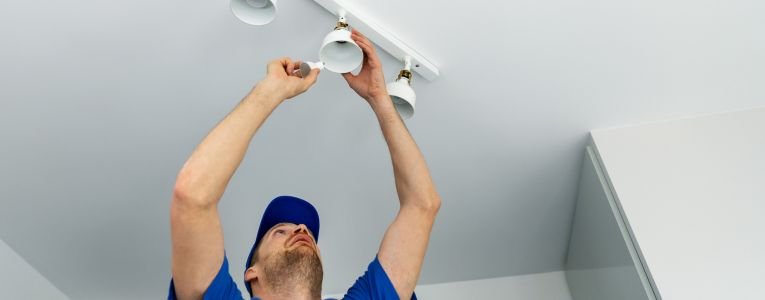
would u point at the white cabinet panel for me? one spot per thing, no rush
(693, 193)
(602, 263)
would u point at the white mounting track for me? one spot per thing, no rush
(381, 37)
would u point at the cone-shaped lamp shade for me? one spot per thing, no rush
(254, 12)
(339, 52)
(403, 97)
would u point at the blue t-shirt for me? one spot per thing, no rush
(373, 285)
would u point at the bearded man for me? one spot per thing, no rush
(285, 261)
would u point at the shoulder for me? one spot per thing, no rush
(222, 286)
(373, 284)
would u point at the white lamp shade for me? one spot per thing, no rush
(403, 97)
(339, 52)
(254, 12)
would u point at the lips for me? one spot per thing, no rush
(301, 238)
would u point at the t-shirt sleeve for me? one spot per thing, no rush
(373, 285)
(222, 287)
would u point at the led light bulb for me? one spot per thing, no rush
(306, 67)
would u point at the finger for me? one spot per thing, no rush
(294, 69)
(279, 65)
(366, 48)
(365, 43)
(360, 39)
(358, 33)
(290, 69)
(349, 77)
(284, 61)
(370, 56)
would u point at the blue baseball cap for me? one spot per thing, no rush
(284, 209)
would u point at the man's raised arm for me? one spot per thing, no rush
(402, 250)
(196, 232)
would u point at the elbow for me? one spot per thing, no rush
(430, 204)
(434, 201)
(185, 195)
(435, 204)
(181, 194)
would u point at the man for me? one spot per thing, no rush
(285, 261)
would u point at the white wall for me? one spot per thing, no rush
(693, 192)
(19, 280)
(542, 286)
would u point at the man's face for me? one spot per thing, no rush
(288, 237)
(288, 258)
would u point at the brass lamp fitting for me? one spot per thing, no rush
(405, 74)
(341, 25)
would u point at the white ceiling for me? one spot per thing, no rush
(101, 103)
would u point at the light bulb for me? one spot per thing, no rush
(306, 67)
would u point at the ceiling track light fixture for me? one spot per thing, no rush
(339, 53)
(261, 12)
(383, 38)
(401, 92)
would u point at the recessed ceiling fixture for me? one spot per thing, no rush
(254, 12)
(401, 92)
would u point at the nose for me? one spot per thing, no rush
(301, 229)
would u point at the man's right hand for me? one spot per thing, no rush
(281, 84)
(370, 82)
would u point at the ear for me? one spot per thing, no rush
(251, 274)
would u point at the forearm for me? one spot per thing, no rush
(205, 175)
(413, 181)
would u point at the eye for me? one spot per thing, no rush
(279, 231)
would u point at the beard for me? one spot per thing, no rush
(287, 271)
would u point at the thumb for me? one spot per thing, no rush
(312, 77)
